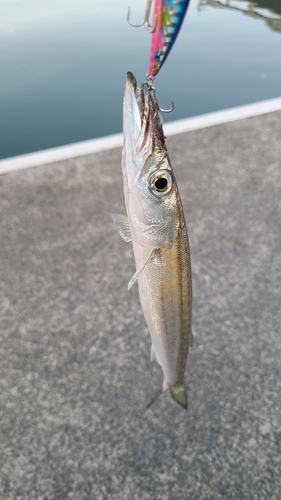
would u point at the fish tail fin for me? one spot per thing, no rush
(179, 394)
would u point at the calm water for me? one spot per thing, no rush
(62, 65)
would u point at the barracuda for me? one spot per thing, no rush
(155, 224)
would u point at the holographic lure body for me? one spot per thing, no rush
(168, 16)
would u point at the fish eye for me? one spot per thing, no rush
(160, 183)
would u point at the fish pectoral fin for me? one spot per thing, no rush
(122, 226)
(154, 356)
(139, 271)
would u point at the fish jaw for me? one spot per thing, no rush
(131, 120)
(132, 158)
(136, 147)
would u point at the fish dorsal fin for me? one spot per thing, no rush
(139, 271)
(122, 226)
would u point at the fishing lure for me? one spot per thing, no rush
(167, 19)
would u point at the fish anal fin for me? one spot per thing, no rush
(179, 394)
(122, 226)
(139, 271)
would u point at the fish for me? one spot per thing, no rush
(168, 16)
(155, 225)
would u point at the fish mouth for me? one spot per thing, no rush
(142, 123)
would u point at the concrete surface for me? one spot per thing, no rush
(75, 352)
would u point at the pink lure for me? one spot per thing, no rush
(168, 16)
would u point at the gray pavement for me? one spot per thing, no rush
(75, 351)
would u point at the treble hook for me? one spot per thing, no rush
(168, 110)
(164, 110)
(150, 27)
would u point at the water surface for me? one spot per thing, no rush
(62, 65)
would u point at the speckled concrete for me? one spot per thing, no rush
(75, 352)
